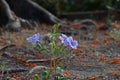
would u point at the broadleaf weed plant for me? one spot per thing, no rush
(53, 48)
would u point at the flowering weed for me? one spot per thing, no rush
(68, 41)
(34, 38)
(53, 48)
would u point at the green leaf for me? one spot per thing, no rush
(59, 50)
(64, 78)
(53, 33)
(45, 75)
(36, 77)
(60, 69)
(41, 47)
(55, 28)
(59, 77)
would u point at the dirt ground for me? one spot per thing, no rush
(96, 58)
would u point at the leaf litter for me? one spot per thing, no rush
(97, 57)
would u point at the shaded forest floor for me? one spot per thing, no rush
(97, 56)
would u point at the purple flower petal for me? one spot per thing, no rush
(34, 38)
(74, 44)
(63, 38)
(68, 41)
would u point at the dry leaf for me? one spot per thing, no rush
(94, 44)
(92, 78)
(102, 58)
(78, 51)
(114, 73)
(88, 55)
(115, 61)
(67, 74)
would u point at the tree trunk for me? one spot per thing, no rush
(17, 13)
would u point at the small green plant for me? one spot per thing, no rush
(45, 75)
(53, 48)
(115, 34)
(36, 77)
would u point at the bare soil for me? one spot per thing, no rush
(97, 56)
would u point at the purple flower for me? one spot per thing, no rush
(63, 38)
(72, 43)
(34, 38)
(68, 41)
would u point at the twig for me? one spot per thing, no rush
(37, 68)
(5, 47)
(42, 60)
(14, 70)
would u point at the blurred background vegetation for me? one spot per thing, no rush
(58, 7)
